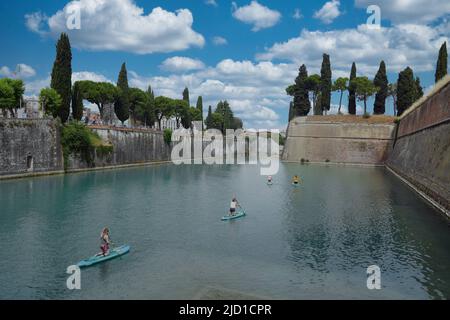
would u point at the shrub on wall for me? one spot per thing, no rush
(168, 136)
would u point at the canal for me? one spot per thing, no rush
(312, 242)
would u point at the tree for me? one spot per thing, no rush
(364, 88)
(340, 85)
(291, 110)
(392, 92)
(441, 66)
(186, 96)
(419, 89)
(163, 108)
(77, 101)
(216, 121)
(7, 97)
(313, 85)
(208, 120)
(138, 101)
(199, 106)
(181, 111)
(51, 101)
(223, 108)
(122, 104)
(18, 88)
(381, 81)
(98, 93)
(237, 124)
(145, 113)
(302, 105)
(406, 90)
(325, 84)
(61, 79)
(351, 92)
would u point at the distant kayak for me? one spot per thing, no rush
(269, 183)
(296, 184)
(114, 253)
(238, 215)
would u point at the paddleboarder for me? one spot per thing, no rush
(233, 205)
(105, 242)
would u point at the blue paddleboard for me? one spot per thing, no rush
(113, 253)
(238, 215)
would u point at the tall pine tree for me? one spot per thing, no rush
(77, 101)
(122, 104)
(381, 82)
(325, 84)
(302, 105)
(186, 96)
(419, 89)
(200, 108)
(406, 90)
(208, 121)
(351, 92)
(441, 67)
(62, 75)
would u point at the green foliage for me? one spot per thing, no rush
(325, 83)
(340, 85)
(392, 92)
(313, 84)
(208, 120)
(419, 89)
(163, 108)
(98, 93)
(144, 107)
(122, 103)
(199, 106)
(216, 121)
(302, 105)
(77, 101)
(138, 100)
(441, 65)
(168, 136)
(61, 79)
(7, 97)
(76, 138)
(290, 91)
(351, 92)
(406, 90)
(11, 94)
(51, 101)
(381, 82)
(364, 88)
(186, 96)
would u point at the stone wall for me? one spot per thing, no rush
(421, 153)
(129, 147)
(337, 142)
(29, 146)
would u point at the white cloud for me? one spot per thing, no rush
(175, 64)
(211, 3)
(22, 71)
(259, 16)
(410, 11)
(92, 76)
(399, 46)
(297, 14)
(220, 41)
(120, 25)
(35, 21)
(328, 12)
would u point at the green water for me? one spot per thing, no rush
(315, 241)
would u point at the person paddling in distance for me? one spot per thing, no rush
(233, 206)
(296, 180)
(105, 242)
(269, 180)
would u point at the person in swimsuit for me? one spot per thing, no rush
(233, 205)
(296, 180)
(105, 242)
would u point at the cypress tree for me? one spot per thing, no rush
(77, 102)
(208, 121)
(200, 108)
(381, 82)
(291, 110)
(419, 89)
(325, 83)
(441, 67)
(122, 104)
(186, 96)
(351, 92)
(302, 105)
(61, 79)
(406, 90)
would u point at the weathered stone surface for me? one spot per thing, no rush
(354, 143)
(422, 149)
(29, 145)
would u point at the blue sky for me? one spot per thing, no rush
(243, 51)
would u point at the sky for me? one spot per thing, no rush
(244, 51)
